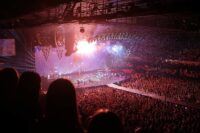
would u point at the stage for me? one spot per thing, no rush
(91, 78)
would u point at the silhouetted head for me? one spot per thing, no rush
(29, 87)
(8, 84)
(8, 80)
(105, 121)
(61, 100)
(27, 107)
(61, 107)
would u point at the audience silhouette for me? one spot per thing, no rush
(61, 108)
(8, 83)
(28, 112)
(21, 109)
(105, 121)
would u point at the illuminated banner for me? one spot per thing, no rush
(46, 51)
(59, 37)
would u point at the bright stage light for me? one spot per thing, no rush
(84, 47)
(117, 48)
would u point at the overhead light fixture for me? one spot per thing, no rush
(82, 30)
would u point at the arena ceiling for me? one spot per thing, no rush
(23, 13)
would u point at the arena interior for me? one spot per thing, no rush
(138, 58)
